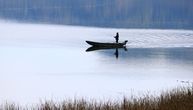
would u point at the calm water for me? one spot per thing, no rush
(50, 62)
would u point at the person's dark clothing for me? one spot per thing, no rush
(117, 37)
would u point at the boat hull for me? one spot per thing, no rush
(110, 45)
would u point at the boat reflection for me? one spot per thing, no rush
(95, 48)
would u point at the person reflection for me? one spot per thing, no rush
(117, 53)
(93, 48)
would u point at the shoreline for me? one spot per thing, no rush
(180, 98)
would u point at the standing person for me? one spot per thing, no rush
(117, 37)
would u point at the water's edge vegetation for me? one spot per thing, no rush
(180, 98)
(164, 14)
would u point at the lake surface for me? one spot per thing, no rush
(41, 62)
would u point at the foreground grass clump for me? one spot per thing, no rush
(177, 99)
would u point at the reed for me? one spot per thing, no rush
(176, 99)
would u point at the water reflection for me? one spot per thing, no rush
(116, 53)
(173, 54)
(46, 61)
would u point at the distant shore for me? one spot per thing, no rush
(177, 99)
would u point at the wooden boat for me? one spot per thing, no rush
(110, 45)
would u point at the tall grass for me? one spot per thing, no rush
(176, 99)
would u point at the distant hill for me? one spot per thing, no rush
(169, 14)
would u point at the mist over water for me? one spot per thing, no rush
(50, 62)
